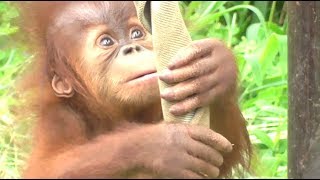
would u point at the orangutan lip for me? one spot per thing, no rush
(145, 73)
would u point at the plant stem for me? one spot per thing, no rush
(273, 7)
(231, 28)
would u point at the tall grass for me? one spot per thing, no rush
(256, 31)
(13, 133)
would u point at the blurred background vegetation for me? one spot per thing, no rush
(255, 30)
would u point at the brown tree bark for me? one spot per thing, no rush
(304, 89)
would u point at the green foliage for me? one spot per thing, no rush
(12, 133)
(7, 14)
(256, 31)
(261, 49)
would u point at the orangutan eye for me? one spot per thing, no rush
(105, 41)
(136, 34)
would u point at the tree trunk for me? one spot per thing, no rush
(304, 89)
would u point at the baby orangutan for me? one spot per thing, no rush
(97, 100)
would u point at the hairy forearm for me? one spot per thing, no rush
(104, 157)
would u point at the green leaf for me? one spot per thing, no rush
(263, 137)
(269, 54)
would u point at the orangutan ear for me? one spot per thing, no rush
(62, 87)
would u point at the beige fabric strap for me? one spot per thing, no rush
(164, 21)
